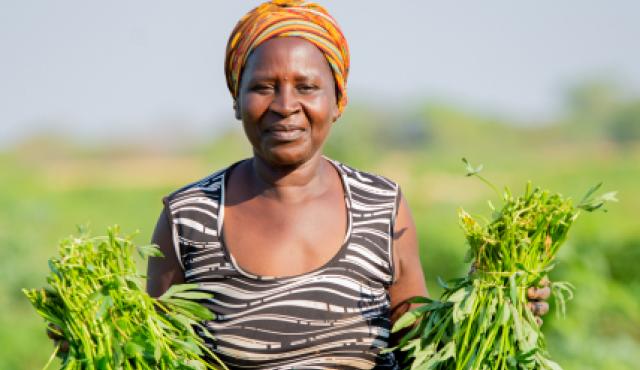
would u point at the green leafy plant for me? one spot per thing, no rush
(481, 320)
(96, 302)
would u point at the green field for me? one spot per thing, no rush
(49, 186)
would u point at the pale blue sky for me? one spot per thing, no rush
(113, 68)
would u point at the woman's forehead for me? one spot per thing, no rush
(287, 55)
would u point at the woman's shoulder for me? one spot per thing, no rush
(365, 178)
(209, 182)
(208, 185)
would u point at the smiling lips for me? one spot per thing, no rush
(284, 132)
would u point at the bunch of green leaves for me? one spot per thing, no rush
(481, 320)
(96, 300)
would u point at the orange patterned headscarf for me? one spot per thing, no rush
(283, 18)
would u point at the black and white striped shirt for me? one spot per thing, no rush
(336, 316)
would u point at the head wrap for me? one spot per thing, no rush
(284, 18)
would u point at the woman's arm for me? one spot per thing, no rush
(408, 275)
(162, 272)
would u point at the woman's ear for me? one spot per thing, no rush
(335, 114)
(236, 109)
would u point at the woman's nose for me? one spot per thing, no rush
(285, 101)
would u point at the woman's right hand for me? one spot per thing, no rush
(54, 332)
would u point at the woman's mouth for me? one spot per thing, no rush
(284, 133)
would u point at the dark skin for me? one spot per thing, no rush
(288, 192)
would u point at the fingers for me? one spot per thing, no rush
(541, 292)
(54, 332)
(64, 346)
(537, 299)
(538, 293)
(538, 308)
(544, 282)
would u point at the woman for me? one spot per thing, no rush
(307, 258)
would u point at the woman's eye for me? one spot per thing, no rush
(306, 88)
(261, 88)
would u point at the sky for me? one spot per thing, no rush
(122, 68)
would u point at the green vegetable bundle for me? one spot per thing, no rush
(97, 301)
(481, 320)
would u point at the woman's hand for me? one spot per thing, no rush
(538, 299)
(54, 332)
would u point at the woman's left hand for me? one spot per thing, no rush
(538, 299)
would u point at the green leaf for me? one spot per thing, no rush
(150, 250)
(506, 314)
(102, 363)
(442, 283)
(422, 355)
(530, 334)
(470, 170)
(193, 295)
(157, 353)
(526, 357)
(457, 296)
(406, 320)
(590, 204)
(105, 305)
(462, 309)
(518, 329)
(469, 256)
(449, 351)
(133, 349)
(410, 317)
(513, 290)
(53, 268)
(194, 309)
(195, 365)
(189, 345)
(176, 289)
(203, 331)
(590, 192)
(419, 299)
(550, 365)
(411, 346)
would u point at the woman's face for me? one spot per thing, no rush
(287, 100)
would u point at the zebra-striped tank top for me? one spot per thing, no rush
(334, 317)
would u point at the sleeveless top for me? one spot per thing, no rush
(334, 317)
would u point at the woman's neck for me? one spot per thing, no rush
(289, 184)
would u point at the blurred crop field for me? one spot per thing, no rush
(48, 186)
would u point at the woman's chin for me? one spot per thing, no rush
(286, 157)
